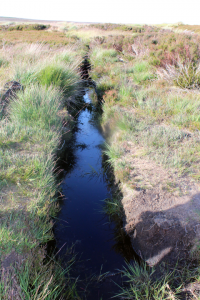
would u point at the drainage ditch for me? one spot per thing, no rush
(83, 229)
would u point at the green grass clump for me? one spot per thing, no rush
(24, 72)
(141, 67)
(28, 27)
(103, 56)
(67, 56)
(143, 285)
(37, 105)
(113, 153)
(59, 75)
(185, 75)
(125, 93)
(188, 76)
(113, 206)
(141, 72)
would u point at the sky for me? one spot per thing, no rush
(109, 11)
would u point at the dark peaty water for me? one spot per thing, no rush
(102, 246)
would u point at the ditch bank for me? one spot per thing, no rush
(161, 211)
(161, 207)
(31, 130)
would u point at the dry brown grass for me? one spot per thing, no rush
(87, 33)
(52, 38)
(191, 28)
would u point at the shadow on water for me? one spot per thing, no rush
(100, 243)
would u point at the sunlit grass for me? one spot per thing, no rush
(30, 135)
(113, 152)
(52, 38)
(59, 75)
(38, 106)
(87, 34)
(143, 285)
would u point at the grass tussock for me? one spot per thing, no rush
(58, 75)
(142, 284)
(184, 75)
(103, 57)
(38, 106)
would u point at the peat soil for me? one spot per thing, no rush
(162, 212)
(83, 229)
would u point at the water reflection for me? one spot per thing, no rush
(99, 240)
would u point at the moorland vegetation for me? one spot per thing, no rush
(149, 80)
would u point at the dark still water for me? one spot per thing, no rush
(100, 244)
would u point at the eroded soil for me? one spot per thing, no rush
(162, 210)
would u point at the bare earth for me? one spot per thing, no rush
(162, 210)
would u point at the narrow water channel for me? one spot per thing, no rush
(101, 244)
